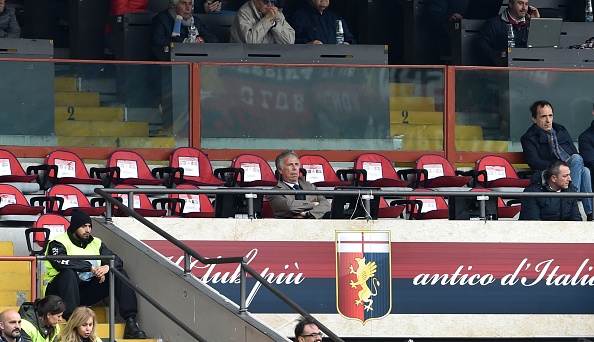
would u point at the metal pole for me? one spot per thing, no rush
(111, 302)
(131, 199)
(108, 207)
(367, 204)
(250, 202)
(482, 206)
(187, 263)
(242, 290)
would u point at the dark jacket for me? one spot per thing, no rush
(310, 25)
(9, 27)
(493, 36)
(586, 145)
(549, 208)
(162, 26)
(535, 146)
(29, 313)
(57, 248)
(439, 11)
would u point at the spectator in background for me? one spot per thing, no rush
(298, 205)
(316, 24)
(163, 26)
(493, 36)
(209, 6)
(546, 141)
(586, 145)
(80, 326)
(9, 27)
(307, 330)
(437, 15)
(260, 22)
(40, 319)
(119, 7)
(556, 178)
(10, 326)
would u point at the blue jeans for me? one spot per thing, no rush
(580, 178)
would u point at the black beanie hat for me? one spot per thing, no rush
(78, 219)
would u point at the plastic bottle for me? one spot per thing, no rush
(588, 11)
(339, 32)
(511, 39)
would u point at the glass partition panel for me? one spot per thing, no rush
(498, 101)
(94, 104)
(314, 108)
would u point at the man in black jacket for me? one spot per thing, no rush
(164, 31)
(556, 178)
(586, 145)
(493, 36)
(546, 141)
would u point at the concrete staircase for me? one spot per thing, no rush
(81, 120)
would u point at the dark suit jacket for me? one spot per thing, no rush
(162, 26)
(535, 146)
(286, 206)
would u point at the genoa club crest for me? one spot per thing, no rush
(363, 274)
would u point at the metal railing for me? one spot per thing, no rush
(188, 252)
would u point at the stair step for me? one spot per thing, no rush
(413, 131)
(14, 268)
(6, 248)
(410, 103)
(65, 84)
(101, 128)
(402, 89)
(74, 98)
(126, 142)
(416, 117)
(101, 85)
(461, 145)
(89, 113)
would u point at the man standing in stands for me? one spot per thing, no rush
(493, 36)
(9, 27)
(174, 25)
(586, 145)
(10, 325)
(261, 22)
(86, 282)
(316, 24)
(556, 178)
(295, 206)
(546, 141)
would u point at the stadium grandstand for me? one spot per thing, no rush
(412, 135)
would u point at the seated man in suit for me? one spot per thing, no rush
(174, 25)
(295, 206)
(9, 27)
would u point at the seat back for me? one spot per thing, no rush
(376, 165)
(496, 167)
(255, 168)
(318, 168)
(131, 165)
(194, 202)
(11, 195)
(9, 164)
(57, 225)
(433, 206)
(141, 201)
(73, 197)
(436, 166)
(195, 163)
(69, 165)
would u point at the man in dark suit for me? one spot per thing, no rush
(295, 206)
(164, 31)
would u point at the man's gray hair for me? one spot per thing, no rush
(174, 2)
(279, 159)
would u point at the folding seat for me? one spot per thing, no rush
(192, 166)
(187, 205)
(320, 173)
(72, 198)
(389, 211)
(438, 172)
(379, 172)
(11, 172)
(67, 168)
(14, 205)
(248, 170)
(504, 210)
(57, 225)
(428, 207)
(498, 172)
(141, 202)
(127, 167)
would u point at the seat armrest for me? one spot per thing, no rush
(170, 204)
(103, 173)
(230, 175)
(526, 174)
(416, 180)
(303, 172)
(42, 171)
(168, 173)
(49, 202)
(472, 173)
(357, 174)
(485, 179)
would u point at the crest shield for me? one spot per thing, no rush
(363, 274)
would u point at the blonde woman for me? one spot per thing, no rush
(80, 326)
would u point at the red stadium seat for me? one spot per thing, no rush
(191, 206)
(379, 171)
(438, 172)
(57, 224)
(248, 170)
(195, 166)
(67, 168)
(498, 172)
(129, 167)
(320, 172)
(73, 198)
(142, 204)
(12, 172)
(503, 210)
(14, 205)
(432, 207)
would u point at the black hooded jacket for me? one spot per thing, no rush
(549, 208)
